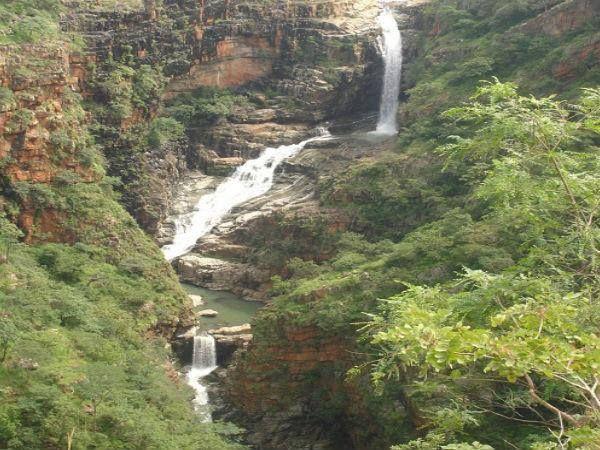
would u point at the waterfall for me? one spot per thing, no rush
(391, 43)
(250, 180)
(203, 363)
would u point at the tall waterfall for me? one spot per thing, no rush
(203, 363)
(392, 55)
(252, 179)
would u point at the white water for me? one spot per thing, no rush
(252, 179)
(204, 362)
(391, 43)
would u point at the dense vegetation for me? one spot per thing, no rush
(84, 321)
(480, 232)
(492, 311)
(77, 363)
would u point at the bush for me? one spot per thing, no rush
(164, 129)
(19, 121)
(7, 99)
(204, 106)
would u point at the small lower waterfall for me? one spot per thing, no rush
(250, 180)
(203, 363)
(391, 44)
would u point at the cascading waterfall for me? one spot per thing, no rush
(250, 180)
(203, 363)
(391, 43)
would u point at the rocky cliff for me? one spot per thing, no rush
(42, 130)
(297, 63)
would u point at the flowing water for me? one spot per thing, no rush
(203, 363)
(255, 178)
(252, 179)
(391, 43)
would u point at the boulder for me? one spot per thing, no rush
(228, 340)
(183, 343)
(208, 313)
(219, 275)
(188, 334)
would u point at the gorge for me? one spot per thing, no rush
(255, 178)
(422, 275)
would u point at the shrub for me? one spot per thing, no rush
(20, 120)
(164, 129)
(7, 99)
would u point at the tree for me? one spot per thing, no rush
(530, 332)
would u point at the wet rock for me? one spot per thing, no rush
(208, 313)
(228, 331)
(188, 334)
(183, 343)
(227, 345)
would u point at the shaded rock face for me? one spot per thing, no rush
(155, 38)
(267, 383)
(241, 42)
(165, 38)
(221, 275)
(229, 340)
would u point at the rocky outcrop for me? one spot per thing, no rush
(282, 411)
(229, 340)
(221, 275)
(567, 16)
(42, 134)
(320, 60)
(253, 243)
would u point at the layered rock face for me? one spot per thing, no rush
(325, 413)
(299, 63)
(41, 134)
(315, 61)
(120, 45)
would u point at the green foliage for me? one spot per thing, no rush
(531, 164)
(25, 21)
(163, 130)
(20, 120)
(7, 99)
(203, 106)
(148, 83)
(460, 345)
(478, 39)
(40, 195)
(74, 359)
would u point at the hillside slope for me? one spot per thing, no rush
(422, 217)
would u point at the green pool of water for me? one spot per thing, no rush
(232, 309)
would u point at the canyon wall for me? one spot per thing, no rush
(315, 61)
(43, 138)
